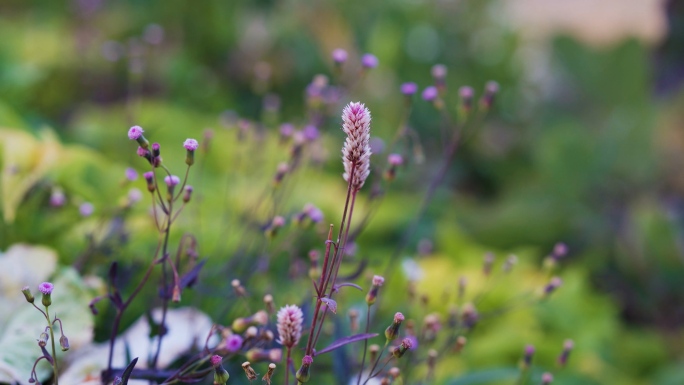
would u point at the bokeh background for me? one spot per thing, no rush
(584, 146)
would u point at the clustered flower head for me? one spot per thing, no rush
(356, 151)
(289, 324)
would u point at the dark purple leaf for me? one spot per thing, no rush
(337, 287)
(330, 303)
(346, 340)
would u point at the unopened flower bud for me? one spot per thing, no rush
(462, 283)
(430, 94)
(375, 287)
(527, 357)
(27, 294)
(565, 354)
(43, 339)
(393, 162)
(487, 100)
(191, 146)
(241, 324)
(269, 374)
(339, 56)
(488, 262)
(431, 360)
(46, 289)
(466, 94)
(554, 284)
(149, 178)
(470, 315)
(547, 378)
(239, 290)
(373, 351)
(369, 61)
(511, 261)
(187, 194)
(251, 332)
(392, 331)
(281, 171)
(268, 302)
(409, 88)
(353, 320)
(171, 182)
(399, 351)
(303, 374)
(460, 344)
(136, 133)
(221, 376)
(64, 343)
(156, 150)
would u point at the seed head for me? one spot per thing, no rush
(289, 324)
(356, 151)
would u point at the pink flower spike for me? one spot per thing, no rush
(356, 151)
(190, 144)
(46, 288)
(378, 280)
(289, 325)
(216, 360)
(135, 132)
(171, 180)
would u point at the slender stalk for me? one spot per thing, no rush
(288, 363)
(365, 346)
(375, 364)
(165, 300)
(52, 342)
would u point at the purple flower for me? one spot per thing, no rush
(142, 152)
(339, 56)
(439, 71)
(409, 88)
(234, 343)
(131, 174)
(134, 195)
(135, 132)
(216, 360)
(86, 209)
(378, 280)
(369, 61)
(171, 180)
(289, 324)
(314, 213)
(395, 159)
(190, 144)
(286, 130)
(310, 132)
(307, 360)
(430, 93)
(149, 176)
(46, 288)
(57, 198)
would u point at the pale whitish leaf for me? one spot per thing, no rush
(25, 160)
(188, 328)
(18, 348)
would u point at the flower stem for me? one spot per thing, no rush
(52, 341)
(365, 346)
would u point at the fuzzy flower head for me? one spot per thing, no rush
(190, 144)
(369, 61)
(234, 343)
(135, 132)
(46, 288)
(409, 88)
(339, 55)
(171, 180)
(430, 93)
(378, 280)
(289, 324)
(356, 151)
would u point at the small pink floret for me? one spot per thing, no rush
(395, 159)
(307, 360)
(216, 360)
(171, 180)
(378, 280)
(46, 288)
(190, 144)
(135, 132)
(398, 317)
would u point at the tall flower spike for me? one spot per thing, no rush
(289, 324)
(356, 151)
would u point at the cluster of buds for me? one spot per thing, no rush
(240, 325)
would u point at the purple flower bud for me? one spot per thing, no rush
(430, 93)
(439, 72)
(57, 198)
(369, 61)
(190, 144)
(234, 343)
(529, 353)
(142, 152)
(310, 133)
(156, 149)
(86, 209)
(395, 160)
(409, 88)
(547, 378)
(339, 56)
(171, 180)
(131, 174)
(307, 360)
(216, 360)
(135, 132)
(286, 130)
